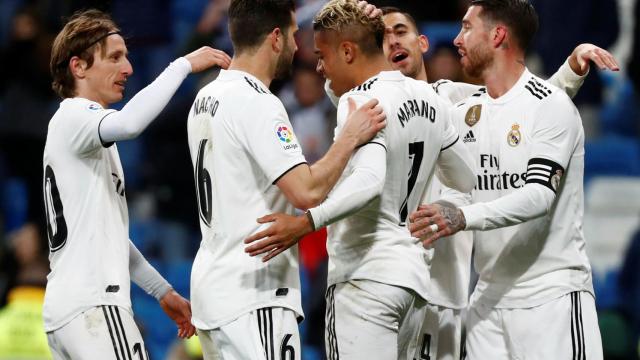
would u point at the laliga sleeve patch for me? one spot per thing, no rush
(544, 172)
(285, 137)
(93, 107)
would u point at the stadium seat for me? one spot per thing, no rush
(440, 32)
(15, 198)
(612, 155)
(612, 215)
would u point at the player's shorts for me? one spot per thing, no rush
(564, 328)
(103, 333)
(370, 320)
(440, 337)
(265, 334)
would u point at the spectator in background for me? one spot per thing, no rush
(21, 330)
(591, 21)
(443, 63)
(28, 104)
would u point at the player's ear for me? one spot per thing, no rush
(347, 51)
(78, 67)
(424, 43)
(276, 37)
(499, 36)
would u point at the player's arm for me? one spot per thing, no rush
(558, 129)
(570, 76)
(364, 182)
(306, 186)
(145, 106)
(150, 280)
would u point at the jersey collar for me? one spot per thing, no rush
(229, 75)
(515, 90)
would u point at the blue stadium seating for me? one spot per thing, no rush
(612, 155)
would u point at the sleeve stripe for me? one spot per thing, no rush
(106, 145)
(286, 171)
(539, 166)
(450, 145)
(544, 172)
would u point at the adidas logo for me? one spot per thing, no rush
(469, 137)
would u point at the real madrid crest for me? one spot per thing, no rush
(473, 115)
(514, 137)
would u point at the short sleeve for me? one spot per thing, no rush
(269, 138)
(555, 135)
(343, 115)
(82, 126)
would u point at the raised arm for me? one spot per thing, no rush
(146, 105)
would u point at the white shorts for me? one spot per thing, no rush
(104, 332)
(440, 337)
(564, 328)
(264, 334)
(370, 320)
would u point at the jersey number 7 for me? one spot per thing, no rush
(416, 152)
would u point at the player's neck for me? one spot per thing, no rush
(255, 65)
(369, 67)
(503, 74)
(422, 74)
(85, 92)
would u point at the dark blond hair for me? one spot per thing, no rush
(80, 36)
(351, 23)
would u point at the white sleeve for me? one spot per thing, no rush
(145, 106)
(145, 276)
(268, 136)
(554, 140)
(364, 183)
(567, 80)
(454, 91)
(82, 124)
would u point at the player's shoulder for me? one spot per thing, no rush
(73, 110)
(539, 91)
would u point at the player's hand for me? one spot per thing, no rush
(431, 222)
(365, 122)
(179, 310)
(584, 53)
(284, 232)
(206, 57)
(369, 9)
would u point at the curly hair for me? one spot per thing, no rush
(351, 23)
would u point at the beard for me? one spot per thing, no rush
(284, 67)
(478, 59)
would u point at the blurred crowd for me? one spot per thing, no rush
(161, 196)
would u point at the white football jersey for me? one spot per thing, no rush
(88, 226)
(241, 143)
(375, 243)
(531, 135)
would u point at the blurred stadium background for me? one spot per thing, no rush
(159, 174)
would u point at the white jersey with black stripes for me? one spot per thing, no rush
(529, 149)
(374, 242)
(241, 143)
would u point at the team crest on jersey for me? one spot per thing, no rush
(555, 180)
(286, 137)
(514, 137)
(473, 115)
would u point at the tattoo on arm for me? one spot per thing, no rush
(454, 217)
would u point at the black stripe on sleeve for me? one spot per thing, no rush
(373, 142)
(113, 340)
(106, 145)
(450, 145)
(286, 171)
(544, 172)
(273, 356)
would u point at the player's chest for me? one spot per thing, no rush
(499, 138)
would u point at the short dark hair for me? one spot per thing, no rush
(518, 15)
(386, 10)
(80, 36)
(250, 21)
(347, 19)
